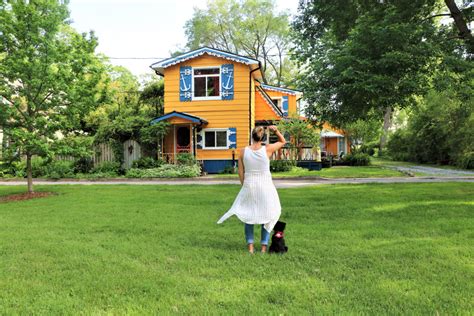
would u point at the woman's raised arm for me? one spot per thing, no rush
(271, 148)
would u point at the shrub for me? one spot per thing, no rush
(83, 165)
(466, 160)
(358, 159)
(110, 167)
(185, 159)
(58, 169)
(282, 165)
(229, 170)
(165, 171)
(147, 163)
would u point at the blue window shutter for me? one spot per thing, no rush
(199, 138)
(227, 81)
(232, 137)
(185, 77)
(285, 105)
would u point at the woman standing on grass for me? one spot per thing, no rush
(257, 201)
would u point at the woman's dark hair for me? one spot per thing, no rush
(258, 134)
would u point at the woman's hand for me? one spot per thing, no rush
(273, 128)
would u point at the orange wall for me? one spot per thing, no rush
(263, 111)
(218, 113)
(291, 100)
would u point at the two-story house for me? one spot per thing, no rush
(212, 100)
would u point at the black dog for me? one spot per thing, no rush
(278, 242)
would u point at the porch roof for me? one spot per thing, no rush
(180, 115)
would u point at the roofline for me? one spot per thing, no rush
(192, 118)
(280, 89)
(202, 50)
(269, 101)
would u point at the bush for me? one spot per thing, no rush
(83, 165)
(147, 163)
(166, 171)
(185, 159)
(466, 160)
(58, 169)
(358, 159)
(108, 167)
(282, 165)
(229, 170)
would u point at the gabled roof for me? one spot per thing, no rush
(279, 89)
(186, 116)
(269, 101)
(161, 65)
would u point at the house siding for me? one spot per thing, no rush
(218, 113)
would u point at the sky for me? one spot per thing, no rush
(140, 28)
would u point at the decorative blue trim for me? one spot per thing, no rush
(232, 137)
(286, 90)
(185, 116)
(227, 81)
(216, 166)
(199, 138)
(285, 105)
(204, 50)
(185, 84)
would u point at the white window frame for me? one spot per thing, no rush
(219, 97)
(215, 130)
(280, 102)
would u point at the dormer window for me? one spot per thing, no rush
(206, 83)
(277, 102)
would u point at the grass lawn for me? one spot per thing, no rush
(353, 249)
(333, 172)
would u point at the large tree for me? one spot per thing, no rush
(48, 75)
(248, 27)
(364, 57)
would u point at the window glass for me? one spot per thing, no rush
(275, 101)
(221, 139)
(207, 71)
(210, 140)
(200, 87)
(206, 82)
(213, 86)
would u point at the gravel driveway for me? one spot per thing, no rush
(436, 171)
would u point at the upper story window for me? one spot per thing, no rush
(206, 83)
(277, 102)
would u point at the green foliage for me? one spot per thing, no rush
(147, 163)
(250, 27)
(466, 160)
(281, 165)
(110, 167)
(229, 170)
(363, 132)
(166, 171)
(58, 169)
(185, 159)
(301, 134)
(440, 130)
(357, 159)
(363, 57)
(48, 76)
(83, 165)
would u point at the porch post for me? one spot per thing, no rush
(191, 140)
(174, 143)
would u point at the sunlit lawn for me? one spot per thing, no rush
(353, 249)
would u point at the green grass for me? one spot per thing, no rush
(333, 172)
(353, 249)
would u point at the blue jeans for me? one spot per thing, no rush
(249, 235)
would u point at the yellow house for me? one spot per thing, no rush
(212, 100)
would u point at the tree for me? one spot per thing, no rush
(363, 131)
(301, 134)
(460, 17)
(249, 27)
(126, 111)
(364, 58)
(48, 74)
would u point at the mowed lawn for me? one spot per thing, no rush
(358, 249)
(333, 172)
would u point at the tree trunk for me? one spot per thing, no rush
(29, 173)
(461, 24)
(387, 123)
